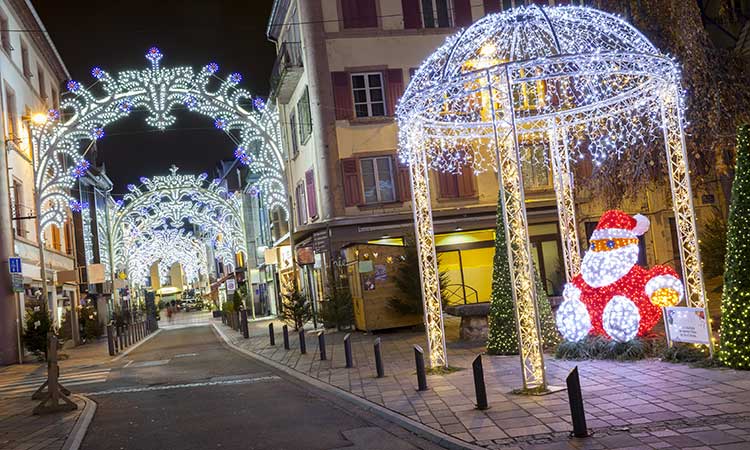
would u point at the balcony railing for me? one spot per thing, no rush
(286, 71)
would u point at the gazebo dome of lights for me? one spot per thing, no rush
(544, 85)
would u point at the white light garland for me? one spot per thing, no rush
(621, 318)
(253, 126)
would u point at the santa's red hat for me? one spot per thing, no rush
(617, 224)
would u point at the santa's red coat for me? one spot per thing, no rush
(633, 286)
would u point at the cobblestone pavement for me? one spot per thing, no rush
(20, 430)
(644, 404)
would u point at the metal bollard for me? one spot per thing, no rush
(244, 325)
(348, 351)
(271, 336)
(322, 345)
(302, 343)
(285, 332)
(421, 374)
(479, 387)
(121, 337)
(580, 430)
(128, 336)
(378, 359)
(110, 340)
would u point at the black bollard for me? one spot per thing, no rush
(479, 386)
(378, 359)
(322, 345)
(302, 343)
(128, 337)
(271, 336)
(244, 325)
(348, 351)
(421, 374)
(110, 340)
(576, 405)
(121, 337)
(285, 332)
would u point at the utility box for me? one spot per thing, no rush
(371, 271)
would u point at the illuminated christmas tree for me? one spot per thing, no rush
(503, 337)
(735, 301)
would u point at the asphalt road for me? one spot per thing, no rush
(184, 389)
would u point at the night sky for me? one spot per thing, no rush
(116, 35)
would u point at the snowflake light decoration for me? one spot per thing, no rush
(157, 91)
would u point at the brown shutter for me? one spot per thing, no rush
(342, 95)
(412, 16)
(352, 185)
(404, 182)
(312, 199)
(466, 182)
(395, 80)
(447, 185)
(462, 12)
(491, 6)
(359, 13)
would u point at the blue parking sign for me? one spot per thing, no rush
(15, 265)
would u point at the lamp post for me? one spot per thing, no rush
(40, 120)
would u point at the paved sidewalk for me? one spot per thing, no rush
(20, 430)
(644, 404)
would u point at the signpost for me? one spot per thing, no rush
(17, 282)
(685, 324)
(14, 264)
(231, 286)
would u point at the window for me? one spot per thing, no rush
(56, 241)
(435, 13)
(301, 204)
(377, 179)
(55, 98)
(305, 120)
(25, 60)
(5, 33)
(534, 167)
(18, 209)
(359, 13)
(457, 185)
(42, 83)
(368, 94)
(10, 112)
(293, 133)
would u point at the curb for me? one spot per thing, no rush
(135, 346)
(75, 438)
(421, 430)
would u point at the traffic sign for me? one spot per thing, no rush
(17, 282)
(15, 265)
(231, 285)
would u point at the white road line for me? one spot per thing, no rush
(129, 363)
(184, 386)
(185, 355)
(44, 376)
(67, 377)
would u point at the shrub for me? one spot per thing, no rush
(296, 309)
(38, 324)
(337, 309)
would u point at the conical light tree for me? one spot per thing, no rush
(735, 301)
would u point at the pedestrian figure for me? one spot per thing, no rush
(169, 314)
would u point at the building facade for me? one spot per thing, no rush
(32, 73)
(342, 66)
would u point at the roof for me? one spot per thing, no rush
(276, 19)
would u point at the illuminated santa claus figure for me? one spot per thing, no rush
(614, 296)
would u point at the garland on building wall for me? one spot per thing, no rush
(503, 337)
(735, 301)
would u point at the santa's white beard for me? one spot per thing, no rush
(604, 268)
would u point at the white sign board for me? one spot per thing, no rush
(686, 324)
(231, 285)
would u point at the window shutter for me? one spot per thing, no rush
(462, 12)
(466, 182)
(342, 95)
(491, 6)
(447, 185)
(312, 199)
(404, 182)
(352, 185)
(395, 80)
(412, 16)
(359, 13)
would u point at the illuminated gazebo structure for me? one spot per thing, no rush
(565, 80)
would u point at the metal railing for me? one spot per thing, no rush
(459, 294)
(289, 56)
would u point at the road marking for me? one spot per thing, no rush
(185, 355)
(21, 384)
(185, 386)
(129, 363)
(159, 362)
